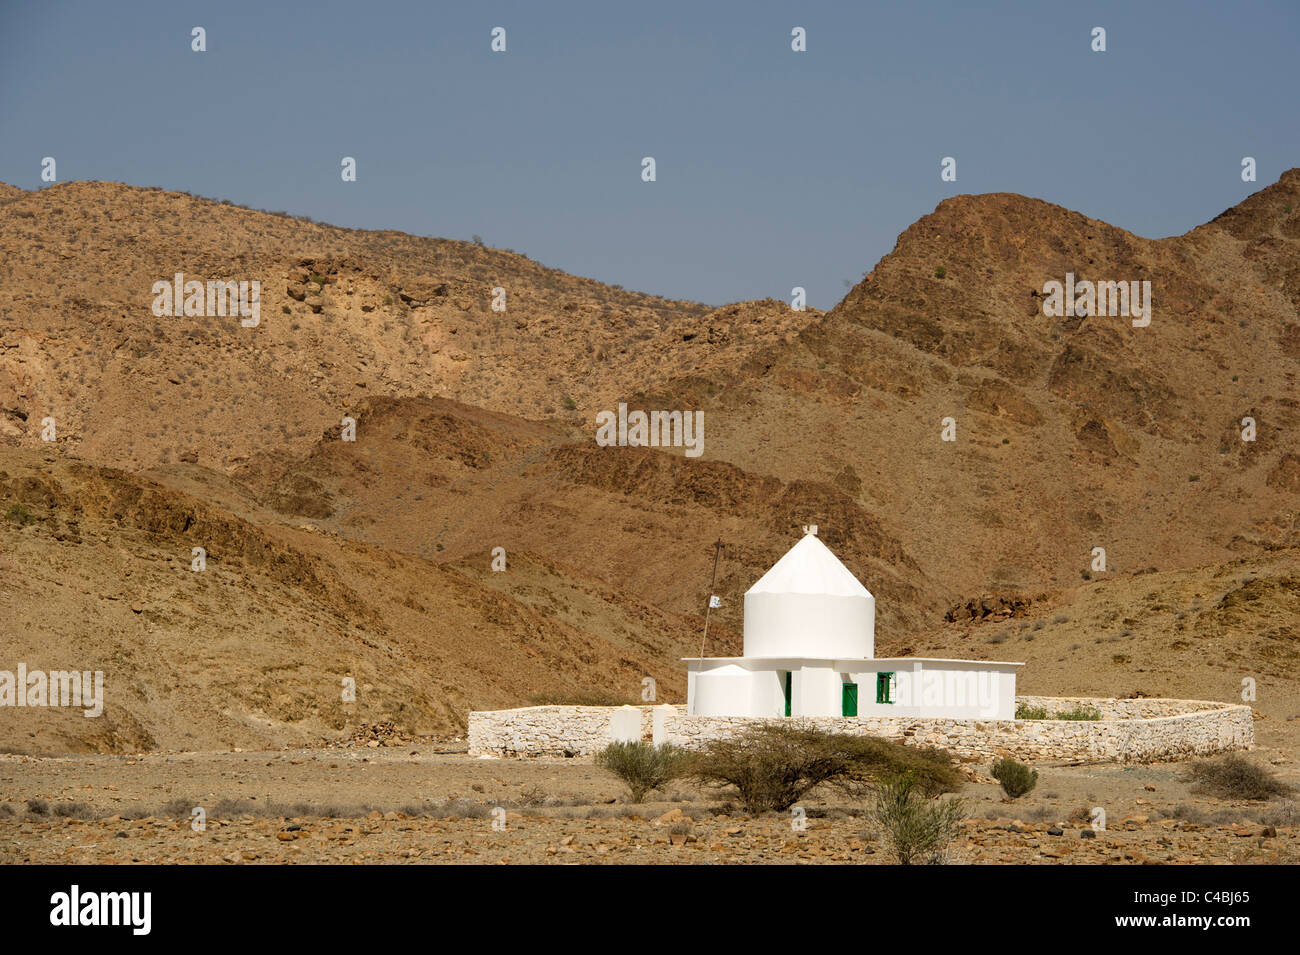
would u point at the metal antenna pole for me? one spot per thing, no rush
(718, 545)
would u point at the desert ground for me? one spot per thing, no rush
(408, 801)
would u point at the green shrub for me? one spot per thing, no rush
(940, 272)
(915, 828)
(580, 698)
(1233, 776)
(20, 515)
(1079, 713)
(773, 765)
(1082, 712)
(643, 766)
(1016, 778)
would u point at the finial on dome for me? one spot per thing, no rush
(810, 529)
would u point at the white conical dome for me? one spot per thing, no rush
(810, 606)
(809, 567)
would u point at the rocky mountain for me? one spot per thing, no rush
(475, 430)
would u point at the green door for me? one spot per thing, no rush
(850, 699)
(787, 693)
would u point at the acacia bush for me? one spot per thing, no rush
(914, 827)
(1016, 778)
(643, 766)
(773, 765)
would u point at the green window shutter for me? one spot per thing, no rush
(885, 687)
(787, 693)
(850, 699)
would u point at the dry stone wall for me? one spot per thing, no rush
(547, 730)
(1144, 730)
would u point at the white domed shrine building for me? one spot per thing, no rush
(810, 651)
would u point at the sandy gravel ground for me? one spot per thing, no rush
(423, 804)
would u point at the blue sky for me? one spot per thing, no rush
(774, 168)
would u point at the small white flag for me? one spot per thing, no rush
(715, 602)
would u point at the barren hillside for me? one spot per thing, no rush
(475, 430)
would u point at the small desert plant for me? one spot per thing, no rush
(1286, 814)
(532, 796)
(1026, 712)
(1080, 816)
(915, 828)
(940, 272)
(1016, 778)
(178, 808)
(1233, 776)
(1082, 713)
(19, 514)
(1185, 813)
(458, 809)
(772, 766)
(643, 766)
(579, 698)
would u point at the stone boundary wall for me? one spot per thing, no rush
(1142, 730)
(1111, 709)
(547, 730)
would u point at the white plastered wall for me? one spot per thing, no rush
(927, 688)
